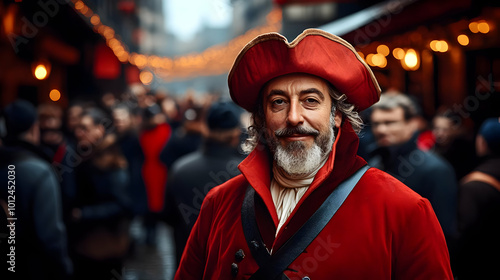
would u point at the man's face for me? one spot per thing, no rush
(87, 133)
(73, 118)
(122, 120)
(443, 130)
(297, 110)
(390, 127)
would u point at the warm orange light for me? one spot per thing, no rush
(79, 5)
(369, 59)
(108, 33)
(213, 61)
(55, 95)
(463, 39)
(473, 26)
(9, 19)
(40, 72)
(379, 60)
(113, 43)
(141, 61)
(123, 57)
(95, 20)
(483, 27)
(384, 63)
(84, 10)
(362, 55)
(433, 45)
(398, 53)
(384, 50)
(443, 46)
(439, 45)
(146, 77)
(411, 60)
(155, 61)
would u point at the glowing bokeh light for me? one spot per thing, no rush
(411, 60)
(146, 77)
(483, 27)
(463, 39)
(40, 72)
(55, 95)
(384, 50)
(473, 27)
(398, 53)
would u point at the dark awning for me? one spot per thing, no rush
(392, 17)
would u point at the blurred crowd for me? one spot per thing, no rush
(86, 172)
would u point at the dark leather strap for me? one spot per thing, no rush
(251, 230)
(272, 266)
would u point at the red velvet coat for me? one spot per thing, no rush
(383, 230)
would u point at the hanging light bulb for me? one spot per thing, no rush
(411, 61)
(41, 69)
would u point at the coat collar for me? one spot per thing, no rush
(341, 163)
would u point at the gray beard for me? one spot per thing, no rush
(295, 159)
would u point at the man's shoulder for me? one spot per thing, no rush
(31, 173)
(428, 160)
(23, 159)
(186, 161)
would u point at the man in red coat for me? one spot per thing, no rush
(275, 220)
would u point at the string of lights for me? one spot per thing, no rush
(215, 60)
(218, 59)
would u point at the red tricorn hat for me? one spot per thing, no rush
(314, 52)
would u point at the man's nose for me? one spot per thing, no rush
(295, 114)
(379, 128)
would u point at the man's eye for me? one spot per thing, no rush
(279, 102)
(310, 102)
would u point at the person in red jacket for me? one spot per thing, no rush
(302, 207)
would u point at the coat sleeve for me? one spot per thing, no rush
(48, 222)
(420, 247)
(441, 180)
(193, 261)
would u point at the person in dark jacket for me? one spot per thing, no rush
(395, 127)
(186, 138)
(194, 174)
(128, 140)
(31, 196)
(101, 213)
(452, 141)
(479, 209)
(62, 152)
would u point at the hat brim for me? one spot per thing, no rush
(314, 52)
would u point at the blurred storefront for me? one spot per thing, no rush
(53, 50)
(444, 54)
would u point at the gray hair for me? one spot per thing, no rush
(393, 99)
(256, 131)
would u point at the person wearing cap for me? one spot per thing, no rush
(194, 174)
(479, 209)
(30, 188)
(306, 206)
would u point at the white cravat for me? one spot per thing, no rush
(287, 190)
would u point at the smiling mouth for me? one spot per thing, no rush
(297, 137)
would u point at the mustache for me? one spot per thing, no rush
(289, 131)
